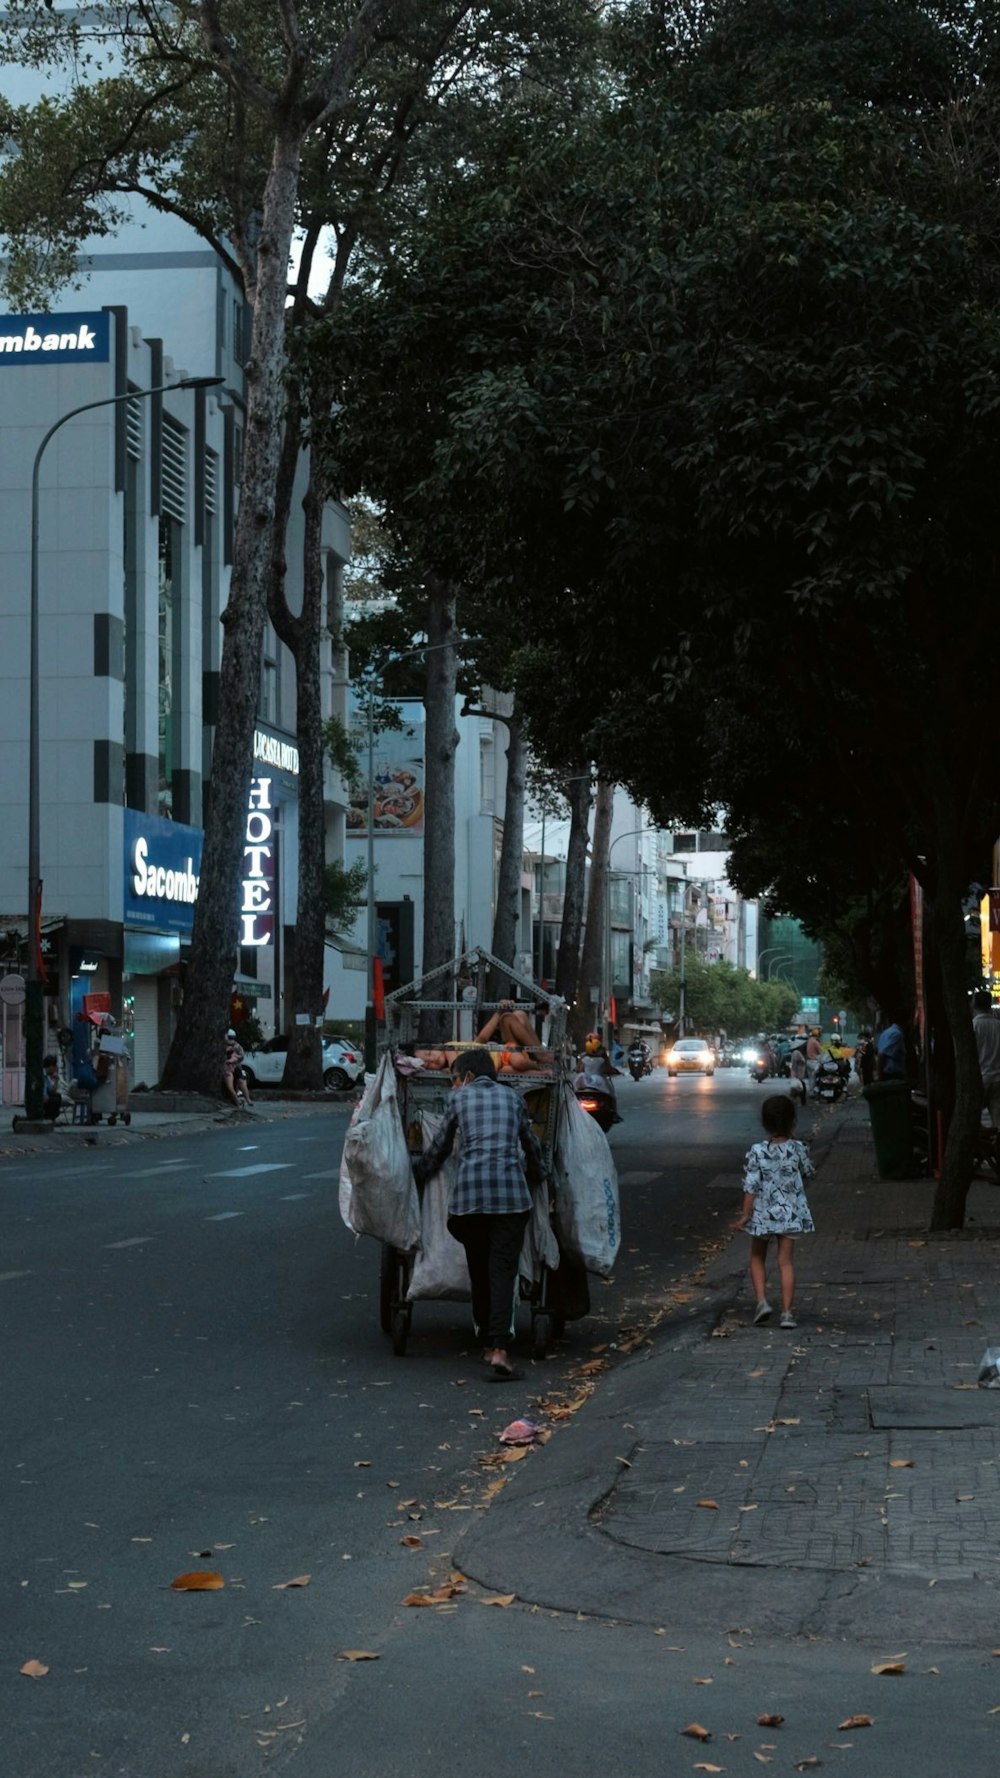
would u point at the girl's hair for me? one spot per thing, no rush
(777, 1114)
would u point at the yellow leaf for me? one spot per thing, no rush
(884, 1667)
(696, 1732)
(358, 1654)
(439, 1595)
(773, 1721)
(34, 1669)
(412, 1543)
(702, 1765)
(857, 1722)
(301, 1580)
(500, 1599)
(900, 1462)
(200, 1580)
(713, 1505)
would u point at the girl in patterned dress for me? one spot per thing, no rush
(774, 1203)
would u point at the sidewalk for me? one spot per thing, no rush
(161, 1114)
(816, 1482)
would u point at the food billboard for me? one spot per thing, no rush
(398, 761)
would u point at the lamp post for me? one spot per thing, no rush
(389, 660)
(768, 951)
(33, 1008)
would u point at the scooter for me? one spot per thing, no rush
(829, 1082)
(598, 1102)
(639, 1061)
(762, 1067)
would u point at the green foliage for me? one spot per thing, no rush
(344, 890)
(720, 997)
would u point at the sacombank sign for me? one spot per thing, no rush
(162, 866)
(55, 339)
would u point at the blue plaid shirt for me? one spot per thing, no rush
(495, 1131)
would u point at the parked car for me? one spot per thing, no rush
(690, 1055)
(343, 1063)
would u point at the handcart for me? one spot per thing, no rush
(108, 1096)
(559, 1294)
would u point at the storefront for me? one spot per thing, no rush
(162, 867)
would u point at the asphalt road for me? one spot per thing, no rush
(194, 1379)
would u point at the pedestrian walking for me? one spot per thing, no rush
(490, 1201)
(987, 1031)
(864, 1058)
(798, 1069)
(775, 1204)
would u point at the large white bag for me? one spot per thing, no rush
(586, 1188)
(383, 1193)
(440, 1269)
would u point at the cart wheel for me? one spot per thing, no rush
(112, 1120)
(126, 1118)
(541, 1333)
(387, 1280)
(400, 1331)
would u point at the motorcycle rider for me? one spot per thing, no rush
(234, 1080)
(596, 1072)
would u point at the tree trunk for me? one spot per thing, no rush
(195, 1059)
(948, 920)
(440, 742)
(578, 792)
(304, 1060)
(508, 902)
(586, 1010)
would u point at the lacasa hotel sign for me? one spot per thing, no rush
(55, 339)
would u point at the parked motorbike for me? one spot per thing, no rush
(639, 1061)
(829, 1082)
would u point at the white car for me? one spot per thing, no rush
(343, 1063)
(690, 1055)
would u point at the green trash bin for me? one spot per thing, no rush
(891, 1115)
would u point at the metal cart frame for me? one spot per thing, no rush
(430, 1091)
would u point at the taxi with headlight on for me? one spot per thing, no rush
(690, 1055)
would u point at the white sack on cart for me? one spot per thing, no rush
(361, 1109)
(586, 1188)
(541, 1249)
(383, 1198)
(439, 1270)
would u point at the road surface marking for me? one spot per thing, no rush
(224, 1216)
(133, 1241)
(5, 1277)
(245, 1172)
(327, 1173)
(160, 1168)
(291, 1197)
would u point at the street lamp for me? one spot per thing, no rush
(768, 951)
(33, 1009)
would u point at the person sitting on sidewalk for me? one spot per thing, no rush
(51, 1085)
(774, 1203)
(490, 1199)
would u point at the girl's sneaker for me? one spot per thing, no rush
(762, 1312)
(787, 1319)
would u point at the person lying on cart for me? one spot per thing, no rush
(518, 1036)
(499, 1161)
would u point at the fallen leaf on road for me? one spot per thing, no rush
(358, 1654)
(787, 1422)
(759, 1372)
(702, 1682)
(764, 1758)
(770, 1721)
(590, 1368)
(412, 1543)
(301, 1580)
(362, 1463)
(857, 1722)
(696, 1732)
(713, 1505)
(900, 1462)
(500, 1599)
(34, 1669)
(154, 1650)
(809, 1764)
(200, 1580)
(885, 1667)
(995, 1651)
(702, 1765)
(994, 1712)
(438, 1596)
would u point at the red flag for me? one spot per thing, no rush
(613, 1012)
(378, 988)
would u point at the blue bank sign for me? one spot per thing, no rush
(162, 866)
(55, 339)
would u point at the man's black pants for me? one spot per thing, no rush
(492, 1249)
